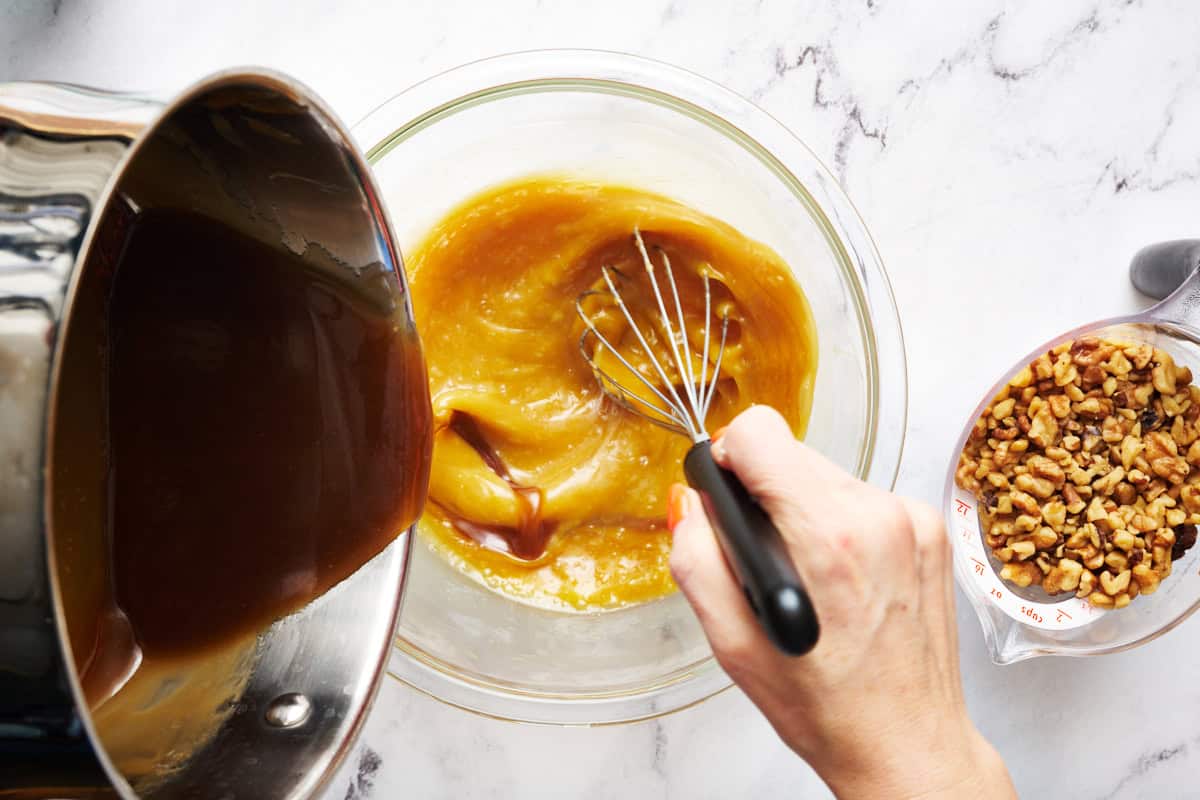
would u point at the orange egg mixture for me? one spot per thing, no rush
(541, 487)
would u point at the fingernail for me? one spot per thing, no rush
(676, 505)
(717, 448)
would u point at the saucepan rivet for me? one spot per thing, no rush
(288, 710)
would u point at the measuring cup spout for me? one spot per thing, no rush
(1168, 271)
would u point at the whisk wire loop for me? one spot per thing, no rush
(669, 384)
(707, 326)
(666, 418)
(678, 338)
(613, 387)
(684, 414)
(712, 389)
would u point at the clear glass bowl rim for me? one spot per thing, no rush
(794, 164)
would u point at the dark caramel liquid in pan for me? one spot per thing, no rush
(267, 433)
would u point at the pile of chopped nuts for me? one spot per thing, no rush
(1087, 470)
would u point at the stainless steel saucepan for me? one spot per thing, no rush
(272, 716)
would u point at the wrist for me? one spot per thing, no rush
(958, 763)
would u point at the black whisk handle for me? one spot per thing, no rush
(756, 553)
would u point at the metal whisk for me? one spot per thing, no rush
(752, 544)
(685, 414)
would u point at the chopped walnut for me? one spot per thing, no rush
(1087, 466)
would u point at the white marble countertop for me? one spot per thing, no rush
(1008, 157)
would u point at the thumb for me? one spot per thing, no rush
(787, 478)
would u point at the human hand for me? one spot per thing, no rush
(877, 707)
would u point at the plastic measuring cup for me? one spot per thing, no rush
(1024, 623)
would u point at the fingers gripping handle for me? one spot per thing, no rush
(756, 553)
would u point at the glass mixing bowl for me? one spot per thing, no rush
(630, 121)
